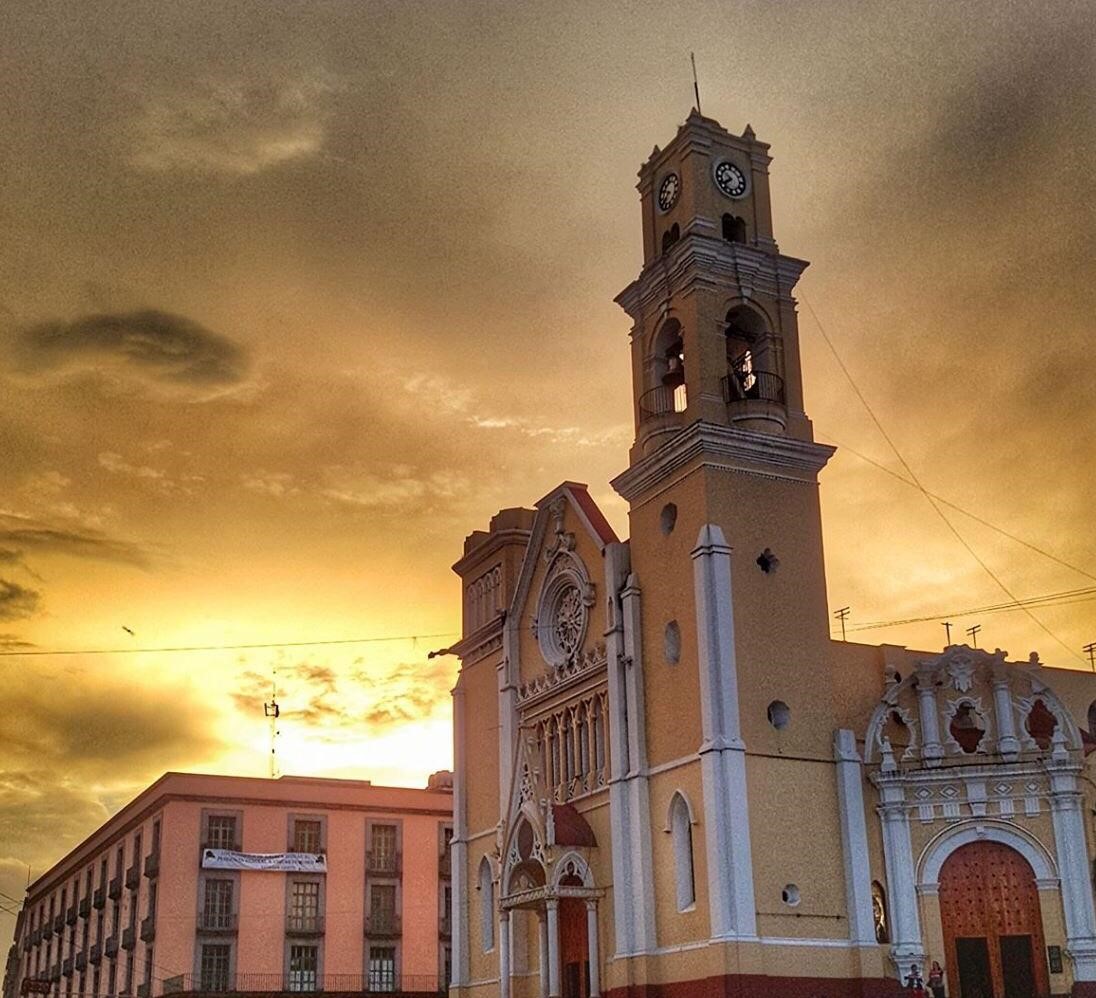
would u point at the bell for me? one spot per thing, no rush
(675, 372)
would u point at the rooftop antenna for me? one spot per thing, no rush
(273, 711)
(946, 625)
(972, 632)
(696, 86)
(1090, 651)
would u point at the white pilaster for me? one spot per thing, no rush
(459, 844)
(722, 752)
(907, 946)
(542, 932)
(1073, 868)
(508, 713)
(1007, 742)
(552, 906)
(504, 954)
(592, 950)
(854, 838)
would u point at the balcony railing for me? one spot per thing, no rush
(376, 983)
(45, 930)
(148, 929)
(55, 972)
(133, 876)
(70, 915)
(85, 906)
(304, 925)
(99, 898)
(664, 400)
(96, 954)
(81, 962)
(144, 990)
(233, 846)
(129, 937)
(217, 921)
(152, 864)
(389, 864)
(114, 891)
(66, 967)
(110, 945)
(382, 923)
(759, 386)
(59, 922)
(28, 941)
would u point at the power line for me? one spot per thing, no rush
(917, 481)
(959, 509)
(240, 647)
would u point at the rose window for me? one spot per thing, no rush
(569, 621)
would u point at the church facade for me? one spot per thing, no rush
(670, 781)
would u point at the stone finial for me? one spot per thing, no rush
(748, 133)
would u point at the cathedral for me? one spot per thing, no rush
(670, 781)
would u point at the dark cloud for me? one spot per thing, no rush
(17, 602)
(12, 642)
(34, 535)
(161, 345)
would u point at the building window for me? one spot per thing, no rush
(148, 968)
(487, 905)
(112, 978)
(681, 832)
(221, 831)
(307, 835)
(129, 972)
(382, 908)
(382, 968)
(384, 847)
(303, 968)
(215, 965)
(304, 906)
(217, 905)
(446, 967)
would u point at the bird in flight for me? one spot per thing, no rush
(128, 631)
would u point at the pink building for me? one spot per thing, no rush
(223, 883)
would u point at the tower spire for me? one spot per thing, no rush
(696, 85)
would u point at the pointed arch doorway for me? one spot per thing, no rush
(993, 926)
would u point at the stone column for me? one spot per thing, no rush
(854, 839)
(542, 927)
(931, 749)
(504, 953)
(1007, 742)
(552, 906)
(906, 944)
(1073, 868)
(722, 752)
(592, 950)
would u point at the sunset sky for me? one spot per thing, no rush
(294, 296)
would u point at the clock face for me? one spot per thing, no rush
(730, 179)
(668, 191)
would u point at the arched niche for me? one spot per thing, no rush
(751, 358)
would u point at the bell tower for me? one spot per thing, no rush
(724, 457)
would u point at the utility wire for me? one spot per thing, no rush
(959, 509)
(917, 481)
(240, 647)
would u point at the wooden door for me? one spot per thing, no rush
(993, 928)
(573, 949)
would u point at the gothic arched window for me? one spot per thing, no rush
(879, 912)
(681, 834)
(487, 905)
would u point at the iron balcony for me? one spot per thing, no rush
(85, 906)
(133, 876)
(129, 937)
(148, 929)
(304, 925)
(382, 923)
(114, 891)
(99, 898)
(389, 864)
(216, 921)
(96, 953)
(152, 864)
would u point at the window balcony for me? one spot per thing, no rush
(133, 876)
(304, 925)
(110, 945)
(233, 846)
(663, 400)
(380, 924)
(757, 386)
(152, 864)
(148, 929)
(46, 931)
(144, 990)
(70, 915)
(85, 907)
(81, 962)
(385, 864)
(95, 956)
(66, 967)
(28, 942)
(55, 972)
(217, 921)
(99, 898)
(129, 937)
(114, 891)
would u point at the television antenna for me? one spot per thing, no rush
(273, 711)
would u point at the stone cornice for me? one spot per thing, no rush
(497, 540)
(702, 260)
(712, 445)
(481, 642)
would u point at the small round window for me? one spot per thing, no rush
(790, 895)
(780, 714)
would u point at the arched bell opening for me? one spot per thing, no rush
(670, 237)
(734, 229)
(751, 359)
(665, 373)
